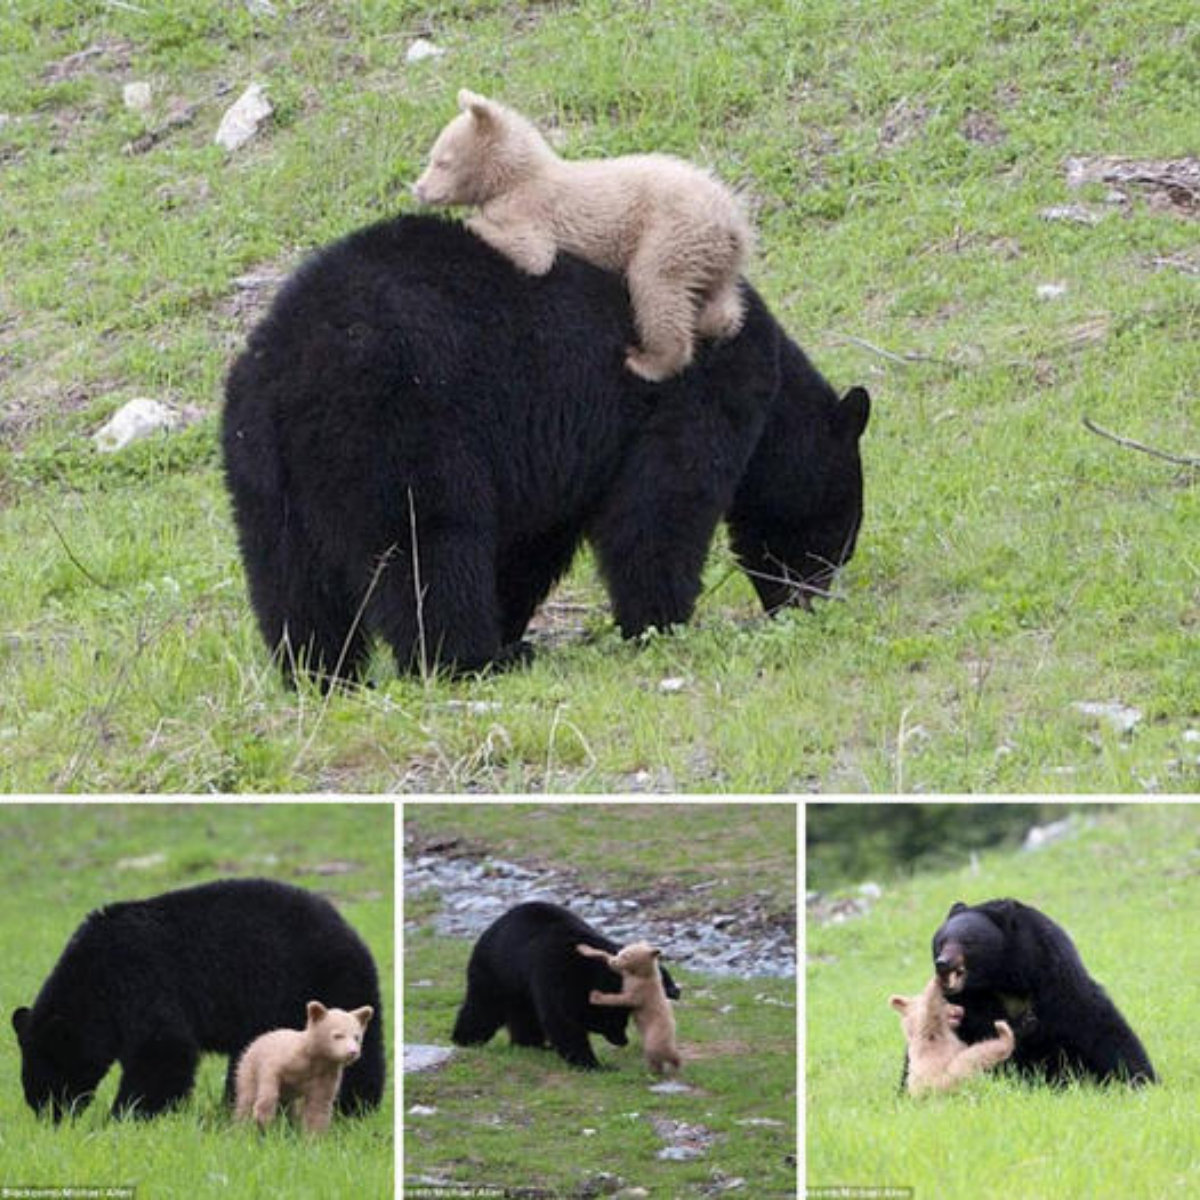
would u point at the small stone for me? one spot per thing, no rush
(669, 1087)
(1076, 213)
(243, 118)
(419, 1057)
(136, 96)
(671, 685)
(679, 1153)
(422, 49)
(1051, 291)
(421, 1110)
(1122, 717)
(137, 419)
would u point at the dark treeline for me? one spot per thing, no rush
(849, 843)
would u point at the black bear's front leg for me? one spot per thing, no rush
(652, 532)
(158, 1075)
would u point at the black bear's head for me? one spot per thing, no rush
(969, 950)
(796, 517)
(57, 1072)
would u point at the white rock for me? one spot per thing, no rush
(422, 49)
(669, 1087)
(138, 419)
(671, 685)
(1051, 291)
(1191, 735)
(421, 1110)
(1121, 717)
(136, 96)
(419, 1057)
(1070, 212)
(243, 119)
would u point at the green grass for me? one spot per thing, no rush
(896, 157)
(1126, 890)
(518, 1118)
(60, 861)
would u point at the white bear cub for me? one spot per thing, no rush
(677, 233)
(300, 1068)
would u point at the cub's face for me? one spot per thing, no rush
(455, 173)
(336, 1034)
(636, 959)
(56, 1075)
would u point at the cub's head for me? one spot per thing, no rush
(480, 155)
(927, 1016)
(336, 1035)
(60, 1069)
(639, 958)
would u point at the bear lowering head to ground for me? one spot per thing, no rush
(1003, 960)
(300, 1068)
(937, 1060)
(418, 439)
(153, 984)
(642, 992)
(677, 234)
(525, 973)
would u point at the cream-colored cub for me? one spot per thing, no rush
(937, 1059)
(642, 991)
(677, 233)
(300, 1068)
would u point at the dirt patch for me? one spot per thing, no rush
(110, 55)
(1170, 186)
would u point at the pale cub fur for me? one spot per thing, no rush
(642, 991)
(937, 1059)
(300, 1068)
(678, 234)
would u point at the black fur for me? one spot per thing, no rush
(418, 438)
(525, 973)
(152, 984)
(1023, 968)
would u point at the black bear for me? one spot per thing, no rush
(1003, 960)
(524, 972)
(418, 437)
(152, 984)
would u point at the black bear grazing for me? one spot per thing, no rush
(1003, 960)
(152, 984)
(524, 972)
(418, 437)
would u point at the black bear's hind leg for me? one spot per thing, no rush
(158, 1076)
(441, 613)
(565, 1031)
(524, 1028)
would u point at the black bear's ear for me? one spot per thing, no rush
(20, 1022)
(957, 907)
(854, 411)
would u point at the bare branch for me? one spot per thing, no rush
(1182, 460)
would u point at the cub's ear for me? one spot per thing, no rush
(20, 1022)
(899, 1003)
(855, 410)
(316, 1011)
(480, 107)
(363, 1015)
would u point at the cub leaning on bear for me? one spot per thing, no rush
(525, 972)
(1005, 961)
(152, 984)
(419, 437)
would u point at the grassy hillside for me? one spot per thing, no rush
(1127, 892)
(521, 1118)
(897, 159)
(62, 861)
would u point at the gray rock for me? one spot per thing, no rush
(418, 1057)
